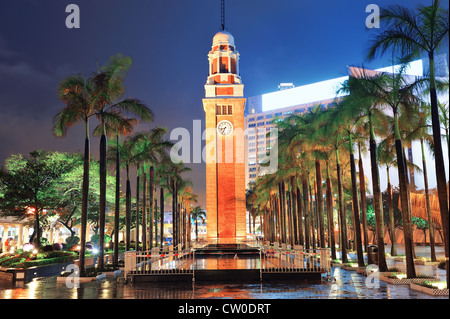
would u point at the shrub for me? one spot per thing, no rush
(48, 248)
(13, 262)
(44, 241)
(72, 240)
(95, 239)
(47, 261)
(26, 254)
(5, 257)
(54, 254)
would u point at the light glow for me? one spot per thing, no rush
(304, 94)
(324, 90)
(401, 276)
(439, 285)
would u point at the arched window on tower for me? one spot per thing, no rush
(224, 65)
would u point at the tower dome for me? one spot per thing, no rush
(223, 37)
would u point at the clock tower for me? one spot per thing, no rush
(224, 105)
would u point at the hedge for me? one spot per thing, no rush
(48, 261)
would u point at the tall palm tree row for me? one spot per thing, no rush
(322, 134)
(410, 34)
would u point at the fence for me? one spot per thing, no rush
(272, 259)
(159, 261)
(284, 259)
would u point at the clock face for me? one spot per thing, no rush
(225, 128)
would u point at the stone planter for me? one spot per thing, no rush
(405, 281)
(61, 279)
(425, 263)
(430, 291)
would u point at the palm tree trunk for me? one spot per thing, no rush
(102, 207)
(356, 223)
(329, 196)
(439, 160)
(174, 216)
(319, 200)
(294, 210)
(128, 210)
(312, 217)
(306, 210)
(281, 212)
(144, 210)
(301, 238)
(410, 270)
(117, 207)
(152, 215)
(137, 205)
(377, 199)
(84, 201)
(427, 199)
(343, 220)
(362, 191)
(391, 215)
(161, 205)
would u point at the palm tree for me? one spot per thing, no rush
(386, 156)
(197, 213)
(109, 110)
(417, 122)
(364, 101)
(394, 91)
(351, 128)
(152, 146)
(412, 34)
(78, 96)
(122, 127)
(129, 155)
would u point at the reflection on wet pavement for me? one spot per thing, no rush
(345, 284)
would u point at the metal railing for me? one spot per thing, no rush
(159, 261)
(284, 258)
(273, 258)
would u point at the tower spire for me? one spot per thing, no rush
(222, 13)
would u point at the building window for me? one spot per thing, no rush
(251, 119)
(219, 110)
(260, 123)
(252, 125)
(260, 118)
(230, 109)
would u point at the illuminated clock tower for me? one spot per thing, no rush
(224, 105)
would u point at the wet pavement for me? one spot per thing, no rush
(344, 285)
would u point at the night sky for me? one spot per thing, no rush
(279, 41)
